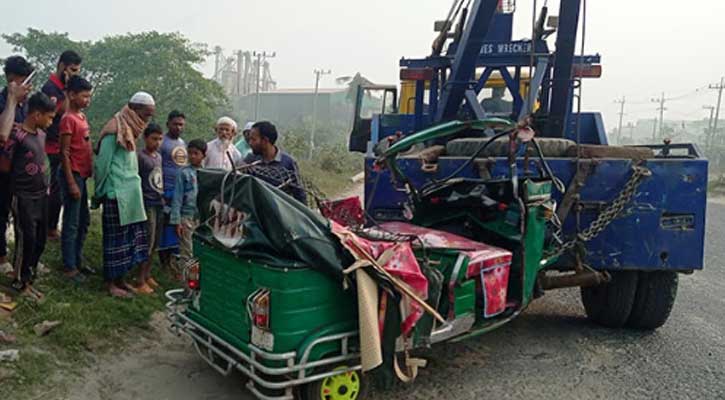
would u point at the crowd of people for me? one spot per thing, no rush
(147, 195)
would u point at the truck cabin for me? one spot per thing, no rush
(503, 92)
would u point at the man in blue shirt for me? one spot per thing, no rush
(272, 164)
(16, 69)
(173, 158)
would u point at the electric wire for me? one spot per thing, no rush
(556, 181)
(697, 91)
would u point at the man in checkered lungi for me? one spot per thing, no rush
(118, 189)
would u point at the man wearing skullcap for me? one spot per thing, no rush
(243, 143)
(118, 189)
(221, 153)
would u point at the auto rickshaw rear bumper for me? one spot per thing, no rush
(265, 382)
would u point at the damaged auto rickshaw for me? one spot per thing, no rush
(309, 304)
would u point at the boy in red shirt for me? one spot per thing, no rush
(69, 64)
(76, 167)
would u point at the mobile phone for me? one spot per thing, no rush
(30, 77)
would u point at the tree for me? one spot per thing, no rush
(162, 64)
(43, 49)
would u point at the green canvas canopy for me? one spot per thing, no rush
(252, 219)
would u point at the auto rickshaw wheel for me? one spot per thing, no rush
(344, 386)
(656, 293)
(610, 304)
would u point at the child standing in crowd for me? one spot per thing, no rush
(26, 148)
(76, 154)
(149, 168)
(184, 212)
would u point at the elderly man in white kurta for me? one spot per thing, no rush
(221, 152)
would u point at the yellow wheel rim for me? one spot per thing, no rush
(344, 386)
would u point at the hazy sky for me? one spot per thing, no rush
(648, 46)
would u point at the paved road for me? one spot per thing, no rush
(551, 352)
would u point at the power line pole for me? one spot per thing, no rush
(318, 74)
(719, 89)
(238, 82)
(261, 56)
(708, 133)
(218, 59)
(661, 109)
(621, 115)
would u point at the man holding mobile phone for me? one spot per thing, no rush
(69, 64)
(17, 69)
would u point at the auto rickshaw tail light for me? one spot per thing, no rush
(192, 275)
(260, 309)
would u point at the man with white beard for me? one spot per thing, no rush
(221, 152)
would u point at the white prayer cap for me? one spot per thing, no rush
(248, 126)
(227, 121)
(143, 99)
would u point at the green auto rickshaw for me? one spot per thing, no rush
(271, 294)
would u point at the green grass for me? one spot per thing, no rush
(92, 321)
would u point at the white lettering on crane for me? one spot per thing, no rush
(506, 48)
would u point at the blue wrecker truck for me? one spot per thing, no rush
(628, 219)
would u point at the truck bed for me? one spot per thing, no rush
(662, 228)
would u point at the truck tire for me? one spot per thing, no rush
(656, 292)
(610, 304)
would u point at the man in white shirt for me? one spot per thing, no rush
(221, 152)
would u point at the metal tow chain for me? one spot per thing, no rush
(609, 214)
